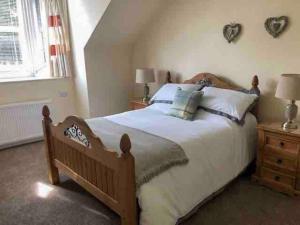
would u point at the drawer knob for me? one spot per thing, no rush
(279, 161)
(281, 144)
(277, 178)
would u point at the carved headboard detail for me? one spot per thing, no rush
(217, 82)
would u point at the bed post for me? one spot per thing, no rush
(52, 170)
(127, 179)
(255, 89)
(255, 83)
(169, 78)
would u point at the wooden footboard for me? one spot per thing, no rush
(73, 149)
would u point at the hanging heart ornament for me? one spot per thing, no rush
(276, 25)
(232, 31)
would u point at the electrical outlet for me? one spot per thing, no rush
(63, 94)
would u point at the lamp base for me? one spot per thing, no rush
(289, 125)
(146, 99)
(291, 112)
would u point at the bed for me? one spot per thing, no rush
(171, 195)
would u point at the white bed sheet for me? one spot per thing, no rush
(217, 148)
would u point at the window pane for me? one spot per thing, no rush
(10, 51)
(8, 13)
(23, 40)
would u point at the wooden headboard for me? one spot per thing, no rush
(220, 83)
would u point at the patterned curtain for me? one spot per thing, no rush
(58, 38)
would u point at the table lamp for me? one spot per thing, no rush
(289, 88)
(145, 76)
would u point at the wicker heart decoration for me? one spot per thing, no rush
(276, 25)
(232, 31)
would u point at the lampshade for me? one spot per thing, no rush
(144, 76)
(288, 87)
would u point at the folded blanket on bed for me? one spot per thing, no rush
(153, 154)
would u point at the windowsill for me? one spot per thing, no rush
(25, 79)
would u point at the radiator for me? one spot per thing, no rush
(21, 123)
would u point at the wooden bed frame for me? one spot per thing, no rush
(73, 149)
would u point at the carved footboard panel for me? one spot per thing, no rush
(73, 149)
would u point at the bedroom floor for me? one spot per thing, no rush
(26, 198)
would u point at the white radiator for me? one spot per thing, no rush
(21, 123)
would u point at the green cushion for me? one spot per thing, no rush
(185, 104)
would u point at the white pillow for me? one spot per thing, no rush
(167, 92)
(229, 103)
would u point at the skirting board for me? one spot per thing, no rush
(21, 142)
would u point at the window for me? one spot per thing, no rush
(23, 51)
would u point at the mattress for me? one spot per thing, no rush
(218, 150)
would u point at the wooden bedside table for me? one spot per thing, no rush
(138, 104)
(278, 161)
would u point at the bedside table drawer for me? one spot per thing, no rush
(278, 165)
(138, 104)
(279, 178)
(298, 184)
(281, 143)
(280, 160)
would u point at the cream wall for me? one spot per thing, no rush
(187, 39)
(84, 17)
(60, 91)
(109, 79)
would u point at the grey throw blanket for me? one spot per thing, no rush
(153, 154)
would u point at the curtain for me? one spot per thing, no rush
(34, 43)
(58, 38)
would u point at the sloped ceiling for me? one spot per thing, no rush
(84, 17)
(109, 51)
(123, 20)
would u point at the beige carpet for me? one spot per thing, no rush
(26, 198)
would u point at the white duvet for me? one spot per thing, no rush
(217, 148)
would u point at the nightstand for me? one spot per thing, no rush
(138, 104)
(278, 158)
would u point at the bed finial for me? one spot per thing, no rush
(46, 112)
(255, 82)
(255, 88)
(125, 144)
(169, 78)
